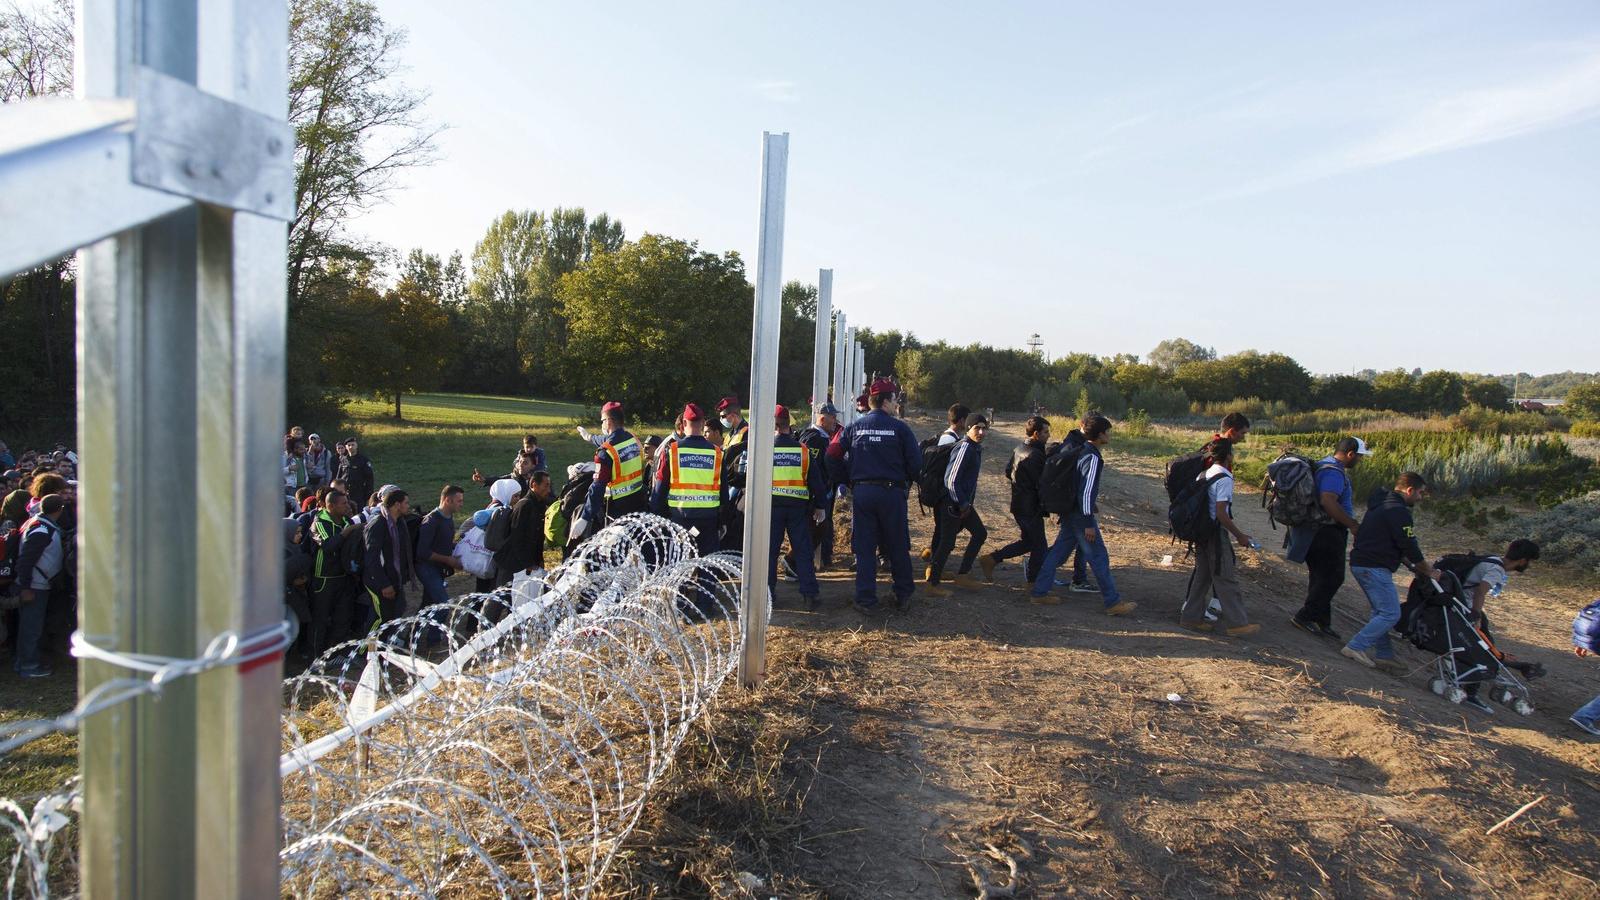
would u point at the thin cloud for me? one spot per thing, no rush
(777, 91)
(1468, 118)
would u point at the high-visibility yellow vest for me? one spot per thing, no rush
(790, 466)
(695, 480)
(627, 468)
(735, 436)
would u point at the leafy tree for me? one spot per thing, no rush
(36, 51)
(796, 342)
(912, 374)
(1488, 393)
(1209, 381)
(1396, 390)
(1132, 377)
(356, 126)
(1583, 402)
(1174, 352)
(1342, 392)
(880, 350)
(1442, 392)
(404, 338)
(682, 314)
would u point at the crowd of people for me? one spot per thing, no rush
(38, 554)
(353, 551)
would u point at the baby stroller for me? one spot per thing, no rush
(1440, 622)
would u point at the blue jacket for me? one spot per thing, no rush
(961, 473)
(594, 506)
(1090, 466)
(875, 447)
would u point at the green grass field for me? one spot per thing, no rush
(444, 436)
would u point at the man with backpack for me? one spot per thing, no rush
(1386, 537)
(956, 509)
(1482, 577)
(1023, 471)
(436, 559)
(41, 561)
(1070, 488)
(877, 456)
(1208, 505)
(523, 548)
(815, 438)
(948, 437)
(1322, 544)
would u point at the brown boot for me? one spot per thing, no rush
(987, 562)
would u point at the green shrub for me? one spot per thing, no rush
(1160, 402)
(1254, 407)
(1481, 420)
(1137, 424)
(1351, 420)
(1568, 533)
(1585, 430)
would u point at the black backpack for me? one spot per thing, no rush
(1058, 483)
(1189, 516)
(1461, 564)
(1184, 471)
(352, 548)
(930, 479)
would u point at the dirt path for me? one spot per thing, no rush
(887, 755)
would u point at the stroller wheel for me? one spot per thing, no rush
(1522, 707)
(1455, 694)
(1437, 686)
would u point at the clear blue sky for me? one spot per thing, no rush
(1357, 184)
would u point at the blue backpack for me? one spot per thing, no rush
(1586, 628)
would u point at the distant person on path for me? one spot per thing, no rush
(436, 559)
(688, 487)
(1081, 528)
(952, 433)
(958, 509)
(618, 487)
(878, 456)
(1322, 547)
(1023, 471)
(1215, 565)
(356, 472)
(799, 499)
(387, 566)
(1386, 537)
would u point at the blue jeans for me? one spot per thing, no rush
(1378, 585)
(432, 580)
(30, 630)
(1093, 552)
(1589, 712)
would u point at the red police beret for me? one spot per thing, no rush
(727, 403)
(781, 413)
(612, 408)
(693, 413)
(884, 386)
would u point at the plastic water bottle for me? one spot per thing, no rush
(1255, 545)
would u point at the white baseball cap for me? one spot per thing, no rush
(1361, 447)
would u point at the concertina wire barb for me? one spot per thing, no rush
(500, 744)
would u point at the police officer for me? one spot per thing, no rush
(688, 484)
(735, 430)
(877, 455)
(816, 438)
(618, 487)
(799, 499)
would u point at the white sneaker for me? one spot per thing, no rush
(1591, 727)
(1214, 610)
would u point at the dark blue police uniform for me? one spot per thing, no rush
(877, 455)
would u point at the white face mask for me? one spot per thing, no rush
(725, 422)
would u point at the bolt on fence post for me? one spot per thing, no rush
(764, 333)
(819, 355)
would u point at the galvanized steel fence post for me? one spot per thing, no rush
(764, 334)
(819, 355)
